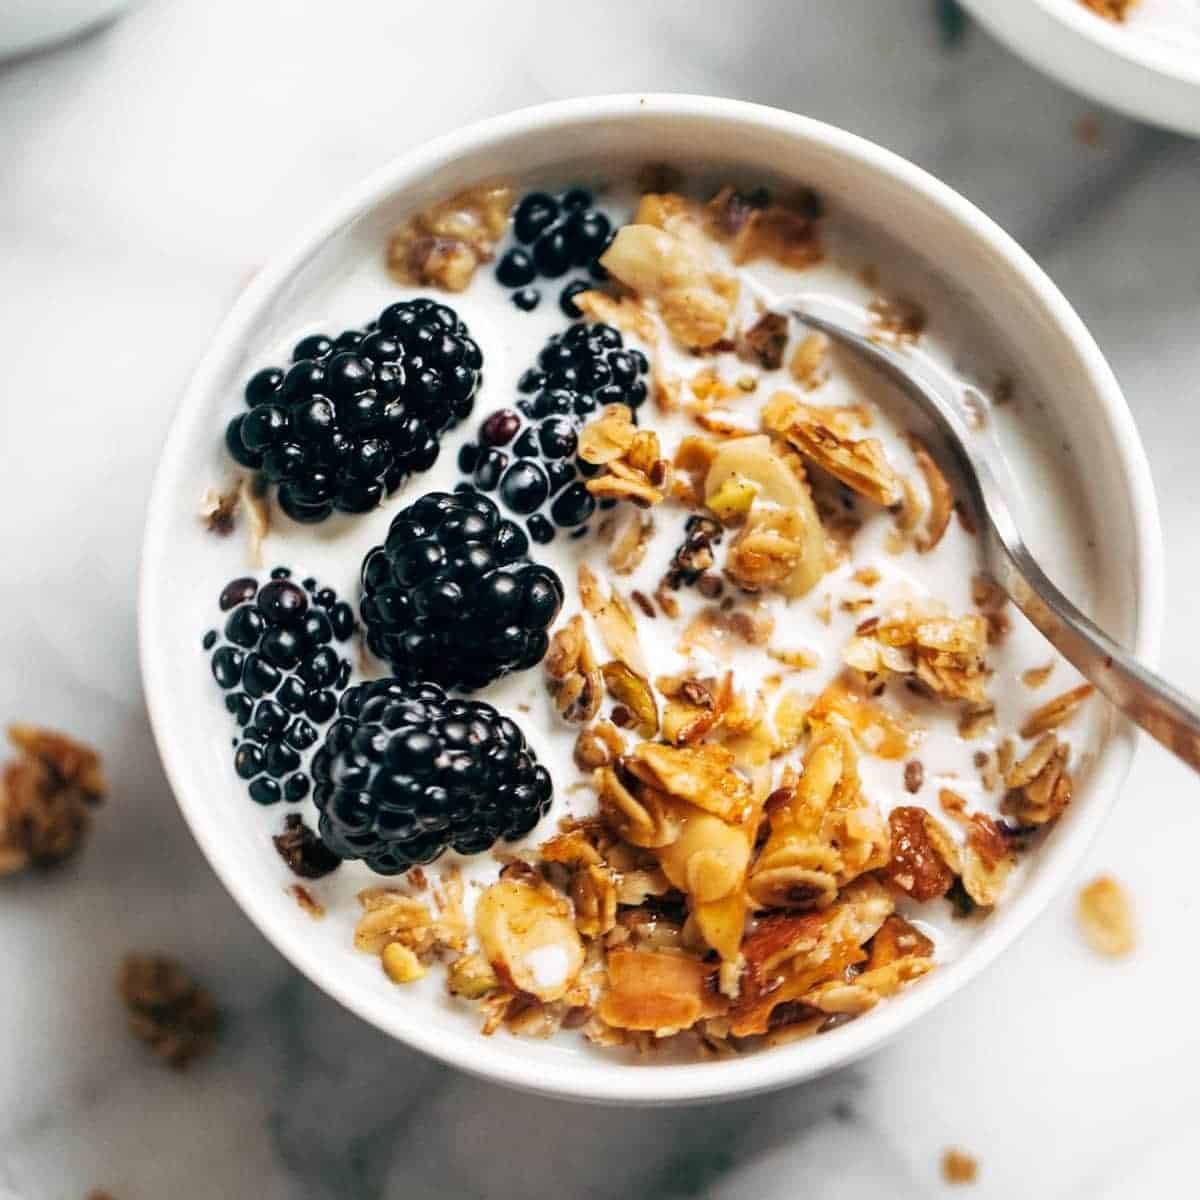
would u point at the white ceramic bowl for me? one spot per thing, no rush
(1143, 73)
(1032, 322)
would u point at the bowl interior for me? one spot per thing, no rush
(183, 568)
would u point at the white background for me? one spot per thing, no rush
(145, 172)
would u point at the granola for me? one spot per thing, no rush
(445, 244)
(945, 655)
(778, 687)
(47, 794)
(1105, 917)
(168, 1010)
(959, 1167)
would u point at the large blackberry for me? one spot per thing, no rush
(451, 596)
(353, 416)
(527, 453)
(406, 772)
(281, 675)
(560, 232)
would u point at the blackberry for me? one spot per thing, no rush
(352, 417)
(407, 772)
(593, 360)
(560, 232)
(578, 371)
(279, 671)
(452, 597)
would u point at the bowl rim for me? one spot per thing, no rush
(1102, 59)
(1116, 39)
(500, 1060)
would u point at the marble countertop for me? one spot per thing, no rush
(148, 169)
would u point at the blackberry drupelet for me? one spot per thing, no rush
(452, 597)
(352, 417)
(407, 772)
(527, 453)
(554, 234)
(281, 675)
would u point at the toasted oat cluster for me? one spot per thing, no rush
(444, 245)
(789, 701)
(47, 793)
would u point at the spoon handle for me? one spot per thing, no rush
(1146, 698)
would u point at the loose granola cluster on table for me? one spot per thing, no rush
(732, 877)
(47, 794)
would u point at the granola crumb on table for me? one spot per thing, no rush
(1104, 912)
(175, 1016)
(959, 1167)
(47, 794)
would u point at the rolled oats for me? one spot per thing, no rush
(941, 498)
(1039, 785)
(1055, 712)
(809, 364)
(821, 437)
(574, 678)
(945, 654)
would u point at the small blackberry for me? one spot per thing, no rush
(407, 772)
(353, 417)
(561, 232)
(281, 676)
(578, 372)
(451, 596)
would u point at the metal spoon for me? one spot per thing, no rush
(1144, 697)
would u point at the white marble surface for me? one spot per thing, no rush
(147, 170)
